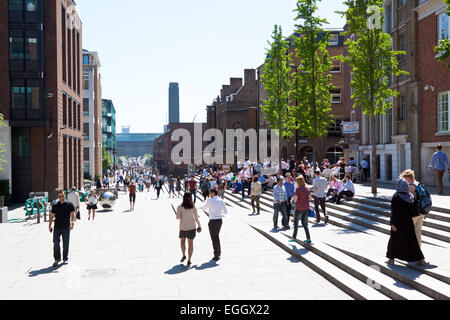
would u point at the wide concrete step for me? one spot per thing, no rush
(414, 278)
(388, 200)
(384, 206)
(384, 219)
(341, 279)
(390, 287)
(376, 225)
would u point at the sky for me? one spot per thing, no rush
(145, 44)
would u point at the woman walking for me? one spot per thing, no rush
(206, 186)
(255, 194)
(403, 243)
(132, 189)
(158, 186)
(91, 202)
(301, 198)
(189, 225)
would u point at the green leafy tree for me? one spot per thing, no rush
(373, 62)
(107, 162)
(444, 45)
(312, 80)
(277, 81)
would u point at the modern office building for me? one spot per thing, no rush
(174, 103)
(40, 95)
(109, 129)
(135, 144)
(92, 112)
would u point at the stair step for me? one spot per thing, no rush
(368, 275)
(341, 279)
(418, 280)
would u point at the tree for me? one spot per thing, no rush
(373, 62)
(444, 45)
(2, 146)
(277, 81)
(313, 82)
(107, 162)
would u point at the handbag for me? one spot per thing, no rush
(78, 215)
(311, 213)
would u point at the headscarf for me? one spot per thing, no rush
(402, 189)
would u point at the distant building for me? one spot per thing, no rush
(109, 129)
(125, 129)
(174, 103)
(135, 144)
(92, 112)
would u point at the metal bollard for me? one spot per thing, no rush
(38, 204)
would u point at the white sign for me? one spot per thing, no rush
(351, 127)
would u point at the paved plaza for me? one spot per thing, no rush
(123, 255)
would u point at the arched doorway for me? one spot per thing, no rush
(307, 152)
(334, 153)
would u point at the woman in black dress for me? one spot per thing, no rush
(403, 243)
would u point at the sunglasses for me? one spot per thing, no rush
(61, 196)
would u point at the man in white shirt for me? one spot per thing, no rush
(74, 198)
(348, 189)
(216, 209)
(365, 166)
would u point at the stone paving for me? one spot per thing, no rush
(123, 255)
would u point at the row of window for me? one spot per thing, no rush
(23, 11)
(25, 98)
(23, 48)
(71, 113)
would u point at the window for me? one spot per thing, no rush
(18, 97)
(388, 18)
(85, 59)
(402, 2)
(86, 154)
(85, 106)
(21, 147)
(85, 82)
(86, 131)
(334, 154)
(336, 66)
(403, 45)
(15, 5)
(16, 48)
(443, 111)
(31, 51)
(334, 40)
(443, 23)
(31, 5)
(402, 108)
(336, 96)
(33, 98)
(353, 116)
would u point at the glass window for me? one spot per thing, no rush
(16, 48)
(336, 96)
(443, 22)
(402, 2)
(403, 45)
(402, 108)
(443, 112)
(336, 66)
(15, 5)
(85, 59)
(86, 131)
(33, 97)
(31, 5)
(86, 154)
(21, 147)
(31, 50)
(85, 106)
(85, 82)
(18, 97)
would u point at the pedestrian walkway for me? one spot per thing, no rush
(123, 255)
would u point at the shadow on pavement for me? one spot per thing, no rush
(180, 268)
(51, 269)
(207, 265)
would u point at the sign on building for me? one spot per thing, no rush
(350, 127)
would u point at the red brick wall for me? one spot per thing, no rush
(432, 72)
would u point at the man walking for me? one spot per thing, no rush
(63, 213)
(74, 198)
(320, 186)
(216, 209)
(439, 162)
(192, 184)
(365, 167)
(279, 204)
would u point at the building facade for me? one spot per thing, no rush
(174, 103)
(135, 144)
(40, 95)
(433, 25)
(109, 129)
(92, 112)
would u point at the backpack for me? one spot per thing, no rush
(424, 199)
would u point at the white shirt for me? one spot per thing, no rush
(246, 164)
(216, 208)
(74, 198)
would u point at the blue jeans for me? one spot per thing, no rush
(277, 208)
(194, 194)
(57, 233)
(304, 216)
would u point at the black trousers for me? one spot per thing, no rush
(214, 230)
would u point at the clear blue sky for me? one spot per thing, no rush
(145, 44)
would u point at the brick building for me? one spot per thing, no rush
(40, 95)
(433, 24)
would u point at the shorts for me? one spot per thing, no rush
(132, 197)
(188, 234)
(92, 206)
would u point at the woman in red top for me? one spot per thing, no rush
(132, 189)
(301, 198)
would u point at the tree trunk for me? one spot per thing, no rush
(374, 155)
(279, 150)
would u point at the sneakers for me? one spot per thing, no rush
(183, 259)
(307, 241)
(292, 240)
(216, 259)
(55, 264)
(65, 261)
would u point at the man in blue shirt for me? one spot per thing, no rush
(439, 162)
(279, 204)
